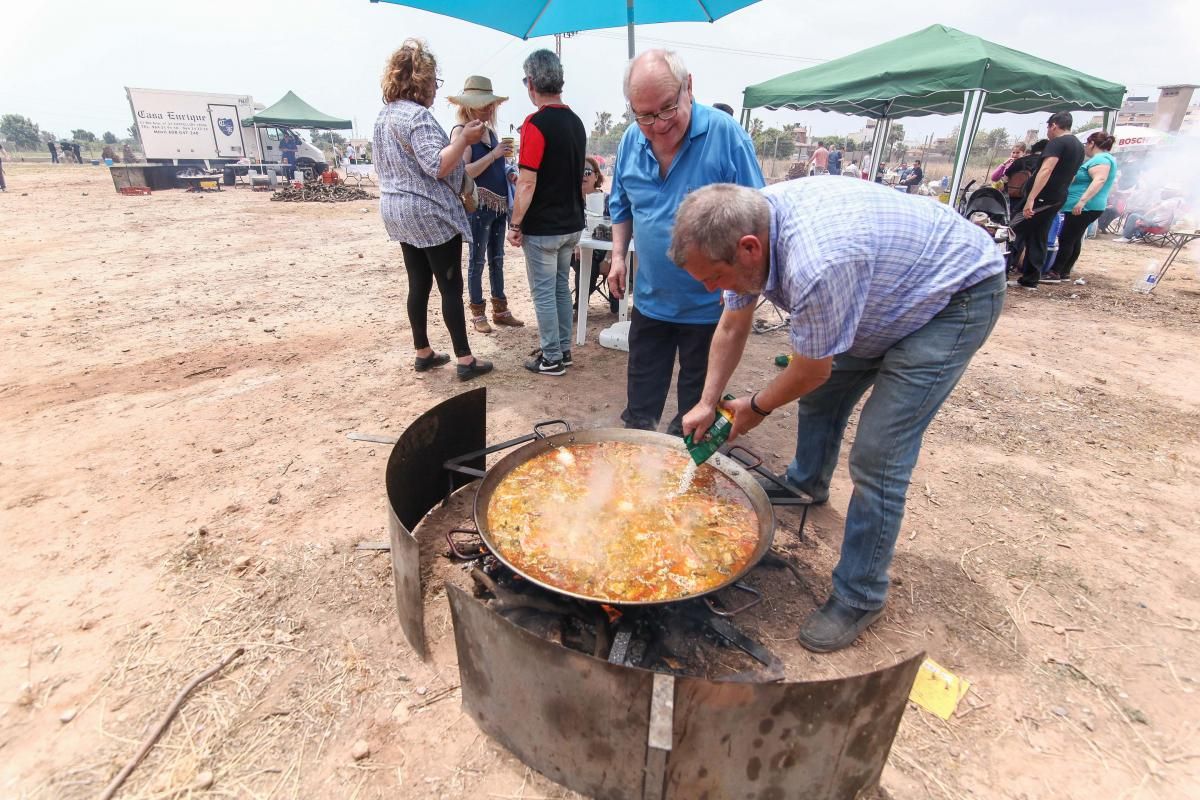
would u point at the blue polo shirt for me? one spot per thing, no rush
(714, 150)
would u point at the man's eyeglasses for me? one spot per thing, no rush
(587, 172)
(646, 120)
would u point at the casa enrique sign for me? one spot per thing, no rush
(171, 115)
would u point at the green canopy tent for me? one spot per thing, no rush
(292, 112)
(937, 70)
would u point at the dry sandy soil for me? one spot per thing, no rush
(179, 374)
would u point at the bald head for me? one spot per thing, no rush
(654, 67)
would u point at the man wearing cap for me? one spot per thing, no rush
(899, 307)
(675, 146)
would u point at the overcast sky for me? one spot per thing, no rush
(65, 65)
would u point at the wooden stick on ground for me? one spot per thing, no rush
(128, 769)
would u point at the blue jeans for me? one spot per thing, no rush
(911, 381)
(548, 266)
(487, 239)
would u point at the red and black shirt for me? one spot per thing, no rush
(554, 145)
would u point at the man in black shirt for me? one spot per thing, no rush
(547, 215)
(914, 178)
(1060, 160)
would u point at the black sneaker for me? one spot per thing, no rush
(543, 366)
(566, 359)
(835, 625)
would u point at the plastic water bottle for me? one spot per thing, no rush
(718, 432)
(1145, 284)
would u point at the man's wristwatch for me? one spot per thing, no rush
(754, 406)
(514, 226)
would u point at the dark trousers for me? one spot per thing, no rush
(1070, 240)
(652, 348)
(53, 156)
(3, 185)
(1035, 232)
(441, 263)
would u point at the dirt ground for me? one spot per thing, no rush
(178, 378)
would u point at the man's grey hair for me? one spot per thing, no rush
(670, 57)
(714, 218)
(544, 71)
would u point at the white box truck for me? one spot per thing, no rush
(201, 128)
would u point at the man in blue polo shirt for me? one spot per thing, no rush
(675, 147)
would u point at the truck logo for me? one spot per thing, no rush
(225, 125)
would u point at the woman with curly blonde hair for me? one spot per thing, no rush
(420, 171)
(486, 163)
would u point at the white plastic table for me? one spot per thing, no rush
(619, 330)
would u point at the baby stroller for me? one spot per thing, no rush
(988, 208)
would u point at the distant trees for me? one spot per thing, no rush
(109, 137)
(21, 131)
(603, 123)
(80, 135)
(606, 134)
(773, 143)
(327, 137)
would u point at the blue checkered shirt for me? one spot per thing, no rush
(859, 266)
(418, 208)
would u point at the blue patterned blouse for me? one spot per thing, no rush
(418, 208)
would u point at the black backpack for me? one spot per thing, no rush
(1016, 182)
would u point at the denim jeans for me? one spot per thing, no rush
(911, 381)
(548, 266)
(487, 239)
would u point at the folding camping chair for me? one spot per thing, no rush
(762, 326)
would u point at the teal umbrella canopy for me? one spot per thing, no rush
(529, 18)
(927, 72)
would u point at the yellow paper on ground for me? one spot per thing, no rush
(937, 689)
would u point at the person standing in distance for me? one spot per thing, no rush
(1060, 160)
(675, 146)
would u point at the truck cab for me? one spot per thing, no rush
(307, 155)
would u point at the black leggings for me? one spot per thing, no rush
(441, 263)
(1070, 240)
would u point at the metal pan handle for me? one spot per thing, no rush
(537, 426)
(733, 612)
(465, 552)
(755, 461)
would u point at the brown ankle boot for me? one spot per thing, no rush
(502, 316)
(479, 317)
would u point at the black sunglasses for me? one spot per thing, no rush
(587, 172)
(438, 82)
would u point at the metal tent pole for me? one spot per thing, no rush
(973, 103)
(629, 25)
(883, 127)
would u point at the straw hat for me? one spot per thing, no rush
(477, 93)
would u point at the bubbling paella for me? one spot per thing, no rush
(609, 521)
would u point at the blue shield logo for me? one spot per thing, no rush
(225, 125)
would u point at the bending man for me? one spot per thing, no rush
(900, 305)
